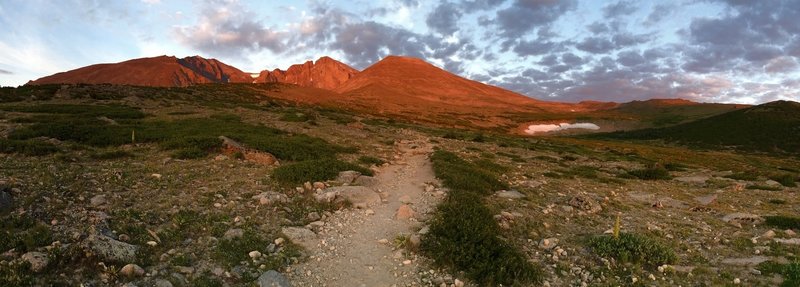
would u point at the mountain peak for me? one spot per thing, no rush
(325, 73)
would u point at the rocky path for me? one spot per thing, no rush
(356, 247)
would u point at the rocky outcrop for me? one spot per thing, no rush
(325, 73)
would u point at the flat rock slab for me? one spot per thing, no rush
(110, 249)
(790, 241)
(272, 278)
(301, 236)
(740, 218)
(748, 261)
(510, 194)
(699, 179)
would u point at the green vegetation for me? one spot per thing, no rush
(782, 222)
(23, 233)
(297, 116)
(748, 176)
(114, 154)
(29, 147)
(790, 272)
(464, 226)
(787, 180)
(86, 111)
(314, 170)
(190, 138)
(771, 127)
(655, 172)
(233, 251)
(777, 201)
(460, 174)
(631, 247)
(764, 187)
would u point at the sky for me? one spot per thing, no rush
(731, 51)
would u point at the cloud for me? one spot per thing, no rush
(619, 9)
(444, 18)
(5, 72)
(783, 64)
(227, 28)
(525, 15)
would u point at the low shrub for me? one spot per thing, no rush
(314, 170)
(368, 160)
(23, 233)
(782, 222)
(748, 176)
(655, 172)
(114, 154)
(460, 174)
(787, 180)
(464, 235)
(790, 272)
(764, 187)
(631, 247)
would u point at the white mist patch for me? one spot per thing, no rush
(534, 129)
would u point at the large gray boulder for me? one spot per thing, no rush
(110, 249)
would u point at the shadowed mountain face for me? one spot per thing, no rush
(160, 71)
(325, 73)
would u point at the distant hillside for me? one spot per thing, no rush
(770, 127)
(667, 112)
(160, 71)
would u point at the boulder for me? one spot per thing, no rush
(231, 148)
(109, 249)
(131, 270)
(405, 212)
(359, 196)
(272, 278)
(271, 197)
(367, 181)
(37, 260)
(301, 236)
(347, 177)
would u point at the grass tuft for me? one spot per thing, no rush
(782, 222)
(460, 174)
(27, 147)
(631, 247)
(314, 170)
(655, 172)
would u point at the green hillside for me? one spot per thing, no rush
(770, 127)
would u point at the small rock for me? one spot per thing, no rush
(369, 212)
(548, 243)
(458, 283)
(37, 260)
(652, 277)
(313, 216)
(318, 185)
(279, 241)
(737, 281)
(769, 234)
(184, 269)
(740, 218)
(272, 278)
(405, 212)
(772, 183)
(706, 200)
(233, 234)
(152, 243)
(131, 270)
(424, 230)
(254, 254)
(308, 186)
(221, 157)
(97, 200)
(509, 194)
(156, 176)
(271, 197)
(791, 241)
(405, 199)
(429, 188)
(383, 241)
(406, 262)
(789, 232)
(414, 241)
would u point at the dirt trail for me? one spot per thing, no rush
(350, 253)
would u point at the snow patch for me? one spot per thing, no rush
(534, 129)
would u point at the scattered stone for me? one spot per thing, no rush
(405, 212)
(769, 234)
(254, 254)
(383, 241)
(789, 232)
(359, 196)
(458, 283)
(221, 157)
(184, 269)
(109, 249)
(585, 204)
(272, 278)
(162, 283)
(369, 212)
(279, 241)
(97, 200)
(156, 175)
(406, 262)
(301, 236)
(424, 230)
(737, 281)
(772, 183)
(509, 194)
(308, 186)
(707, 199)
(347, 177)
(271, 197)
(131, 270)
(429, 188)
(233, 234)
(548, 243)
(152, 243)
(37, 260)
(405, 199)
(740, 218)
(414, 241)
(318, 185)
